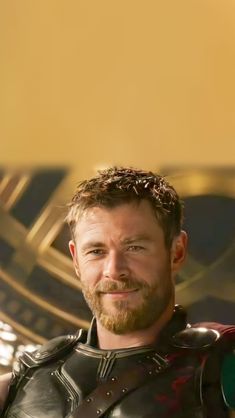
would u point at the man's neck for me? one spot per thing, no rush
(110, 341)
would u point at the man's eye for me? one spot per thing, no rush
(96, 251)
(135, 248)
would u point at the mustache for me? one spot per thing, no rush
(119, 285)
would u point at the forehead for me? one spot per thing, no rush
(130, 218)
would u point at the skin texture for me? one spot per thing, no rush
(4, 383)
(126, 271)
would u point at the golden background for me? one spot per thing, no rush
(91, 83)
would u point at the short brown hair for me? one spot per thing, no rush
(118, 185)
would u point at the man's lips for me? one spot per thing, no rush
(119, 292)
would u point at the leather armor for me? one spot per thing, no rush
(70, 377)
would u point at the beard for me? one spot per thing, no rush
(125, 318)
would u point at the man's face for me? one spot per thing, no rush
(125, 269)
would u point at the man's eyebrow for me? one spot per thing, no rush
(136, 238)
(91, 244)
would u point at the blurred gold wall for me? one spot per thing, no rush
(90, 83)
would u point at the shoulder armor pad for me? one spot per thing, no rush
(53, 349)
(225, 330)
(195, 338)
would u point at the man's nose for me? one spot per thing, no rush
(116, 267)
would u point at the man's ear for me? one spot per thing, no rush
(178, 251)
(73, 252)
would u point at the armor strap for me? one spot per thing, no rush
(107, 394)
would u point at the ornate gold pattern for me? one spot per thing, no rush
(42, 303)
(22, 330)
(12, 188)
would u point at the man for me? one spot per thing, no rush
(139, 358)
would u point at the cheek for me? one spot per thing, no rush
(149, 263)
(89, 272)
(152, 270)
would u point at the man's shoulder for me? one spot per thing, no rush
(194, 337)
(221, 328)
(53, 349)
(215, 342)
(205, 334)
(226, 333)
